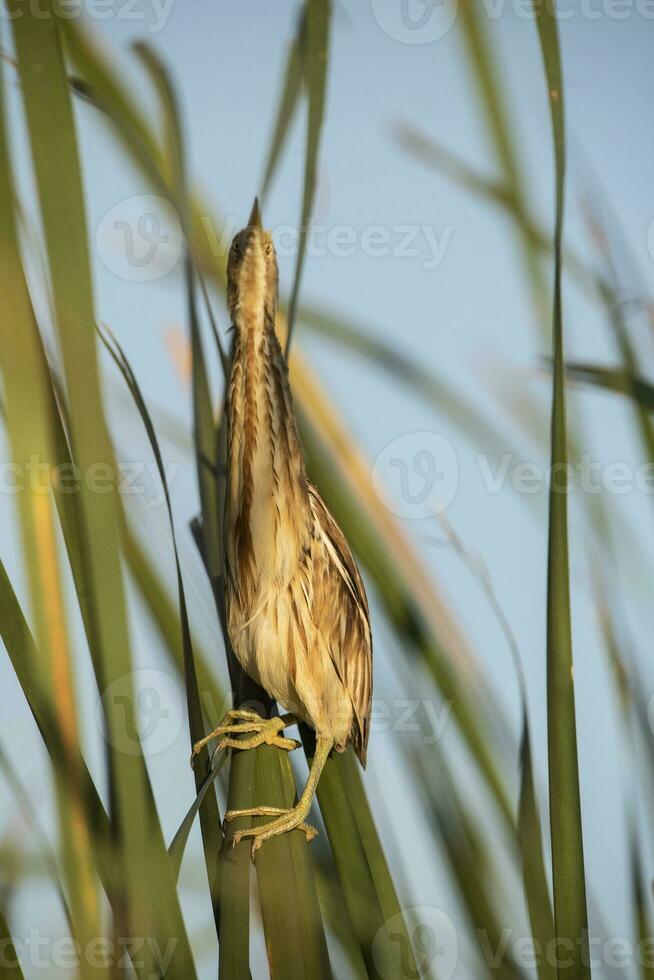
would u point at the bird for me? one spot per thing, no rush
(296, 608)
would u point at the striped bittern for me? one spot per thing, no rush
(297, 613)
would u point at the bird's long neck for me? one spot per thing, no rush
(267, 506)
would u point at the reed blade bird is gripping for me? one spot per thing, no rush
(296, 607)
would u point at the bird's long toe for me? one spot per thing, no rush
(290, 819)
(264, 730)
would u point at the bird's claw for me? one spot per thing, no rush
(287, 819)
(265, 731)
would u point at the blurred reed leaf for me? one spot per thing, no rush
(26, 805)
(636, 721)
(373, 543)
(531, 847)
(616, 313)
(318, 16)
(570, 910)
(177, 845)
(209, 816)
(497, 118)
(9, 955)
(337, 919)
(511, 193)
(450, 165)
(21, 649)
(164, 614)
(619, 380)
(528, 829)
(151, 899)
(363, 901)
(22, 652)
(291, 88)
(28, 426)
(419, 380)
(462, 843)
(641, 899)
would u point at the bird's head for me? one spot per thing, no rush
(252, 276)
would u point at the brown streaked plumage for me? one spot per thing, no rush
(296, 606)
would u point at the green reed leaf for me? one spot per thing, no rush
(9, 955)
(570, 910)
(153, 904)
(209, 816)
(26, 393)
(318, 15)
(291, 88)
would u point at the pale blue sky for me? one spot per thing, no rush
(469, 319)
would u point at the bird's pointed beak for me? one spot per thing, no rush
(254, 221)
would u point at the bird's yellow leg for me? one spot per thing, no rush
(291, 819)
(240, 720)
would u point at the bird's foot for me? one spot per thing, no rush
(287, 819)
(235, 723)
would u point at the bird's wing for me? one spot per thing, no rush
(347, 622)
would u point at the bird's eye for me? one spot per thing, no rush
(236, 248)
(268, 247)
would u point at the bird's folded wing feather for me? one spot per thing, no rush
(351, 646)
